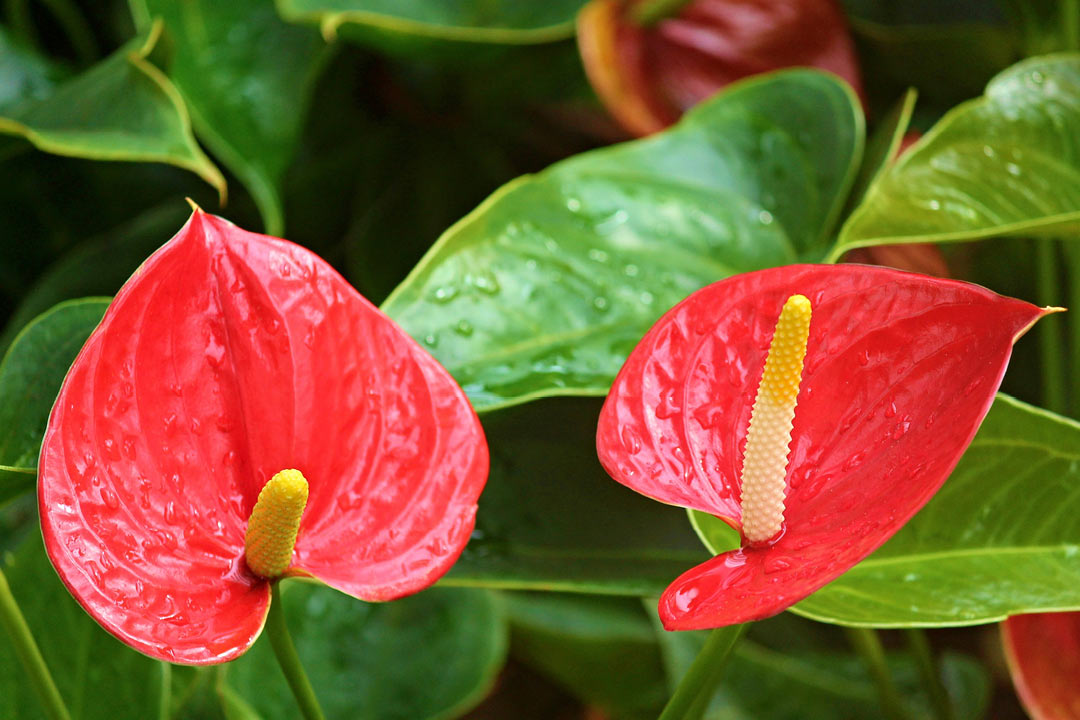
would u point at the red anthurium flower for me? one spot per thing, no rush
(892, 372)
(1043, 651)
(648, 76)
(228, 358)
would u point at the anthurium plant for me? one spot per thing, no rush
(598, 359)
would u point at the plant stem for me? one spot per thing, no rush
(704, 674)
(649, 12)
(1070, 24)
(930, 674)
(1072, 254)
(867, 643)
(289, 660)
(1050, 345)
(29, 655)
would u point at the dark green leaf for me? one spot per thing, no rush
(24, 75)
(431, 655)
(123, 108)
(30, 377)
(551, 518)
(1001, 537)
(245, 75)
(99, 677)
(509, 23)
(763, 684)
(547, 286)
(1005, 164)
(601, 649)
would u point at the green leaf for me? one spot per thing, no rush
(1004, 164)
(123, 108)
(99, 265)
(98, 676)
(24, 75)
(547, 286)
(764, 684)
(431, 655)
(1001, 537)
(245, 75)
(551, 518)
(600, 649)
(30, 377)
(475, 21)
(883, 146)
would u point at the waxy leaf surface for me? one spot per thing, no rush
(433, 655)
(123, 108)
(516, 23)
(227, 357)
(1004, 164)
(31, 373)
(547, 286)
(1001, 537)
(245, 75)
(1043, 650)
(899, 371)
(647, 76)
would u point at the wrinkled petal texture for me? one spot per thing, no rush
(647, 77)
(227, 357)
(899, 371)
(1043, 651)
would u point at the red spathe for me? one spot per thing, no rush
(900, 370)
(227, 357)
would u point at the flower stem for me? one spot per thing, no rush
(1050, 345)
(930, 674)
(649, 12)
(289, 660)
(1072, 254)
(867, 643)
(29, 655)
(702, 677)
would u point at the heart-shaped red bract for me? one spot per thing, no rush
(227, 357)
(899, 371)
(648, 76)
(1043, 650)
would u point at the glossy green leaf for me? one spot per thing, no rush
(431, 655)
(1001, 537)
(547, 286)
(761, 683)
(508, 23)
(1005, 164)
(99, 677)
(245, 75)
(30, 377)
(551, 518)
(97, 266)
(123, 108)
(600, 649)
